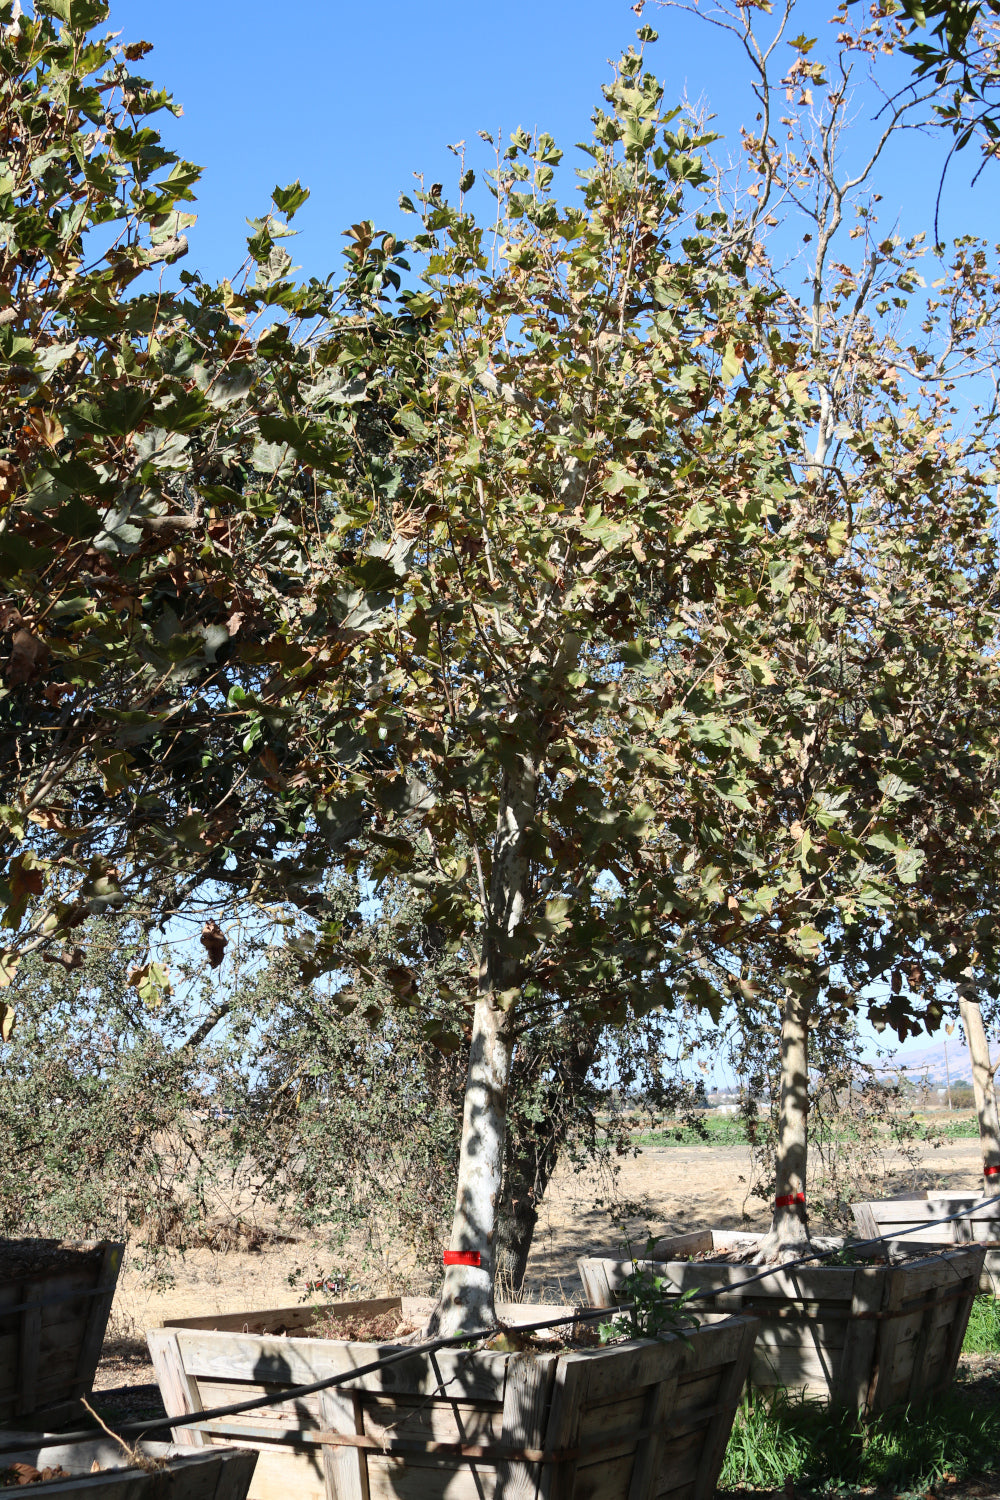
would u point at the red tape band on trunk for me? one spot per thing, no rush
(991, 1171)
(788, 1199)
(462, 1258)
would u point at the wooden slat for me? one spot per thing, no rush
(851, 1386)
(233, 1480)
(694, 1391)
(682, 1459)
(527, 1396)
(923, 1376)
(290, 1318)
(793, 1367)
(298, 1411)
(880, 1395)
(865, 1220)
(562, 1430)
(346, 1469)
(821, 1284)
(284, 1474)
(301, 1361)
(29, 1333)
(658, 1408)
(956, 1333)
(219, 1476)
(698, 1242)
(439, 1421)
(97, 1319)
(608, 1480)
(597, 1288)
(391, 1479)
(610, 1418)
(177, 1387)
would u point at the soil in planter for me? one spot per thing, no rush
(19, 1474)
(379, 1328)
(21, 1258)
(843, 1257)
(387, 1327)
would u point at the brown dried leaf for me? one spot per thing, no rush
(49, 819)
(214, 942)
(45, 426)
(70, 958)
(28, 655)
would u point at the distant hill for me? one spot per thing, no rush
(929, 1061)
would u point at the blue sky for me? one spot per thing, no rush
(353, 99)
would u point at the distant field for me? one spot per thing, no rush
(728, 1130)
(716, 1130)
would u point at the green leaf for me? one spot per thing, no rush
(288, 200)
(152, 982)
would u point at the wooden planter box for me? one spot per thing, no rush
(190, 1475)
(52, 1325)
(636, 1421)
(862, 1335)
(893, 1215)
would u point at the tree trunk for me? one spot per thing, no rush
(466, 1301)
(789, 1233)
(533, 1155)
(983, 1085)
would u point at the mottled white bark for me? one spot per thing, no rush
(789, 1232)
(982, 1084)
(466, 1299)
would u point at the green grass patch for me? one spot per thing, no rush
(780, 1437)
(729, 1130)
(958, 1130)
(983, 1333)
(725, 1130)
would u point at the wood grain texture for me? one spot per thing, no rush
(527, 1397)
(178, 1388)
(851, 1388)
(615, 1416)
(346, 1469)
(222, 1475)
(51, 1329)
(92, 1340)
(302, 1361)
(835, 1330)
(30, 1335)
(658, 1408)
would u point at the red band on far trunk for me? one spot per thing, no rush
(462, 1258)
(991, 1171)
(786, 1200)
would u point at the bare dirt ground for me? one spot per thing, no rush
(670, 1189)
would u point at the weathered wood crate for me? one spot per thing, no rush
(858, 1335)
(635, 1421)
(189, 1475)
(914, 1212)
(52, 1325)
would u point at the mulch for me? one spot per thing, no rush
(21, 1258)
(125, 1389)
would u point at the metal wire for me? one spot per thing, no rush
(583, 1315)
